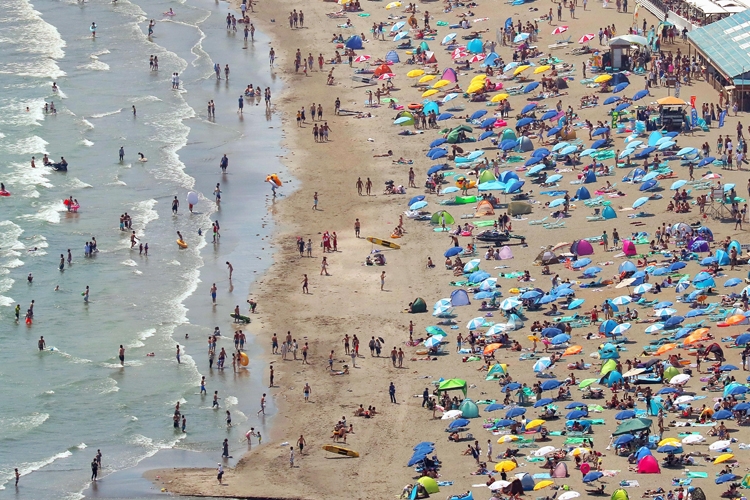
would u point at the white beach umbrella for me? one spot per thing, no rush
(499, 485)
(544, 451)
(679, 379)
(568, 495)
(719, 445)
(451, 414)
(693, 439)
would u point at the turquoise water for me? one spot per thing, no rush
(60, 406)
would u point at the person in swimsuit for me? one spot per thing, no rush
(121, 355)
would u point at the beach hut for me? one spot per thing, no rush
(418, 306)
(406, 114)
(612, 378)
(648, 465)
(484, 208)
(628, 248)
(460, 298)
(431, 106)
(583, 194)
(590, 177)
(519, 208)
(450, 75)
(737, 247)
(621, 494)
(382, 70)
(506, 253)
(609, 213)
(524, 145)
(354, 42)
(581, 248)
(561, 470)
(392, 57)
(496, 371)
(469, 409)
(437, 218)
(699, 246)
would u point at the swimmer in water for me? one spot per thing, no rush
(141, 157)
(32, 249)
(57, 288)
(45, 160)
(54, 86)
(93, 30)
(2, 186)
(33, 162)
(170, 13)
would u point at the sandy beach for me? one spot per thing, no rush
(350, 301)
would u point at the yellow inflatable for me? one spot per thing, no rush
(469, 184)
(274, 178)
(244, 360)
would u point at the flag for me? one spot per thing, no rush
(722, 116)
(615, 117)
(694, 117)
(635, 12)
(692, 101)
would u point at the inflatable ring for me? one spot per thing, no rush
(415, 105)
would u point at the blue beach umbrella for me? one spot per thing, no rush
(416, 199)
(549, 385)
(611, 100)
(524, 121)
(488, 122)
(437, 142)
(599, 131)
(543, 402)
(706, 161)
(620, 87)
(478, 114)
(495, 407)
(625, 415)
(515, 412)
(486, 135)
(418, 205)
(461, 422)
(549, 114)
(444, 116)
(592, 476)
(575, 404)
(622, 107)
(640, 95)
(528, 108)
(453, 251)
(528, 88)
(640, 201)
(553, 131)
(576, 414)
(568, 150)
(581, 263)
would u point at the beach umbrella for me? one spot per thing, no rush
(495, 407)
(569, 495)
(531, 294)
(623, 440)
(428, 93)
(625, 153)
(722, 415)
(416, 199)
(559, 146)
(667, 390)
(719, 445)
(705, 161)
(562, 338)
(599, 131)
(450, 96)
(458, 423)
(587, 382)
(542, 69)
(581, 263)
(427, 78)
(488, 122)
(742, 339)
(592, 271)
(393, 5)
(453, 251)
(451, 414)
(576, 414)
(624, 415)
(520, 37)
(549, 114)
(732, 282)
(643, 288)
(586, 38)
(602, 78)
(575, 404)
(510, 303)
(524, 121)
(568, 150)
(528, 108)
(599, 144)
(543, 402)
(398, 26)
(444, 116)
(418, 205)
(559, 30)
(498, 485)
(447, 39)
(505, 466)
(404, 120)
(725, 478)
(437, 142)
(687, 151)
(640, 202)
(723, 458)
(622, 300)
(592, 476)
(499, 97)
(475, 323)
(535, 423)
(511, 387)
(515, 412)
(549, 385)
(551, 332)
(477, 114)
(611, 100)
(565, 292)
(640, 95)
(620, 329)
(433, 342)
(530, 87)
(669, 448)
(679, 379)
(413, 73)
(486, 135)
(620, 87)
(666, 312)
(546, 450)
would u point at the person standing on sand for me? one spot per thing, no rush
(301, 443)
(219, 473)
(304, 284)
(392, 393)
(382, 280)
(270, 376)
(360, 185)
(357, 227)
(368, 186)
(307, 390)
(315, 201)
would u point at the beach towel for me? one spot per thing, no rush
(681, 482)
(632, 483)
(696, 475)
(542, 475)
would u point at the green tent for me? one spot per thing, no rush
(671, 372)
(507, 135)
(619, 494)
(486, 176)
(632, 425)
(424, 46)
(608, 366)
(430, 485)
(437, 216)
(407, 114)
(452, 384)
(419, 305)
(469, 409)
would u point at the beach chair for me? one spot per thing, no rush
(560, 223)
(562, 43)
(720, 316)
(365, 80)
(537, 222)
(594, 202)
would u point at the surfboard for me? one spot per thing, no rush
(384, 243)
(182, 244)
(246, 319)
(341, 451)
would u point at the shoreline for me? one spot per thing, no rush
(350, 302)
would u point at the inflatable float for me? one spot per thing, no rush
(341, 451)
(274, 179)
(72, 207)
(384, 243)
(244, 360)
(182, 244)
(4, 193)
(245, 319)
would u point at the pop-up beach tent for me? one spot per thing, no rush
(354, 42)
(437, 217)
(419, 305)
(452, 384)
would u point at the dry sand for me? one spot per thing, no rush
(350, 300)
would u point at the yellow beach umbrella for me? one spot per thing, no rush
(505, 466)
(542, 69)
(579, 451)
(427, 78)
(479, 78)
(543, 484)
(674, 441)
(499, 97)
(723, 458)
(602, 78)
(344, 2)
(392, 5)
(475, 87)
(440, 83)
(430, 92)
(521, 69)
(508, 438)
(535, 423)
(415, 73)
(533, 338)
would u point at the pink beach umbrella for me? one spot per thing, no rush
(586, 38)
(477, 58)
(386, 76)
(559, 30)
(459, 53)
(362, 58)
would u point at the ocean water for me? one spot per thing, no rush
(60, 406)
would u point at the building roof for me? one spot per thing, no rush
(726, 43)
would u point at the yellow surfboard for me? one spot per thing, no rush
(341, 451)
(384, 243)
(182, 244)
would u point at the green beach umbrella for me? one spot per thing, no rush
(587, 382)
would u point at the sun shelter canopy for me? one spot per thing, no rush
(453, 384)
(724, 43)
(632, 425)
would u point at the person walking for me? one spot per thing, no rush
(392, 392)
